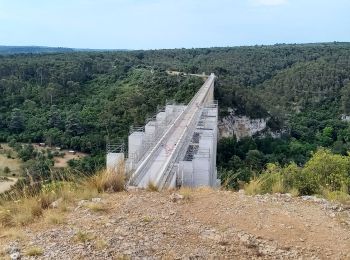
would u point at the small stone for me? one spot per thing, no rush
(56, 203)
(82, 202)
(15, 256)
(175, 197)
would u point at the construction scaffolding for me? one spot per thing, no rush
(143, 138)
(198, 168)
(177, 145)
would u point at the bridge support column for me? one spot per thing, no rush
(114, 161)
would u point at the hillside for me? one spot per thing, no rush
(18, 50)
(81, 100)
(200, 224)
(10, 50)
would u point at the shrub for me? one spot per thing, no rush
(152, 187)
(109, 181)
(7, 170)
(324, 171)
(329, 170)
(97, 207)
(186, 192)
(83, 237)
(34, 251)
(253, 187)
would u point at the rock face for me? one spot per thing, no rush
(345, 118)
(241, 126)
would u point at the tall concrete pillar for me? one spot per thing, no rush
(115, 161)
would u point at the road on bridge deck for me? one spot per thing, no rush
(178, 131)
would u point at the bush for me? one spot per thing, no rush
(253, 187)
(152, 187)
(324, 171)
(107, 181)
(329, 170)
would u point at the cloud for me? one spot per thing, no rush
(270, 2)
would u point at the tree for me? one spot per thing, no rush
(255, 160)
(345, 99)
(26, 152)
(53, 136)
(73, 124)
(55, 118)
(17, 121)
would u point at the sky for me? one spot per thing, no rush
(158, 24)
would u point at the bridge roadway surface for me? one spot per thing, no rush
(156, 164)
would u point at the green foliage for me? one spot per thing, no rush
(77, 100)
(325, 173)
(329, 170)
(26, 152)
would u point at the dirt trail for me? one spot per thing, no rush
(204, 224)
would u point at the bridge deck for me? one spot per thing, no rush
(159, 159)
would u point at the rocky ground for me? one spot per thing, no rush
(201, 224)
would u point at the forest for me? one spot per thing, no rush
(78, 100)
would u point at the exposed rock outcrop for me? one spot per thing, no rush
(241, 126)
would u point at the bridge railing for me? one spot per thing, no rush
(185, 139)
(146, 162)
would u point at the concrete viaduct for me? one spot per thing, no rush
(176, 147)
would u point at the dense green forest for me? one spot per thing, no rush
(76, 100)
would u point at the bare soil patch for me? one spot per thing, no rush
(13, 163)
(6, 185)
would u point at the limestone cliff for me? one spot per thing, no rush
(241, 126)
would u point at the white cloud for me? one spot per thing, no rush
(270, 2)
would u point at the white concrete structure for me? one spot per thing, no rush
(114, 160)
(178, 145)
(199, 165)
(142, 140)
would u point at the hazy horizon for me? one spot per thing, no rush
(156, 24)
(231, 46)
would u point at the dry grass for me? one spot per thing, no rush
(147, 219)
(253, 187)
(338, 196)
(55, 217)
(12, 233)
(278, 186)
(294, 192)
(23, 206)
(20, 213)
(101, 244)
(83, 237)
(152, 187)
(97, 207)
(107, 181)
(187, 193)
(34, 251)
